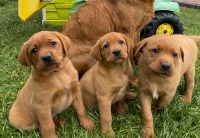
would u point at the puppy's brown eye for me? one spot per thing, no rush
(174, 54)
(34, 50)
(106, 45)
(155, 50)
(53, 44)
(121, 42)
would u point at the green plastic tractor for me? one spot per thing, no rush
(165, 21)
(57, 12)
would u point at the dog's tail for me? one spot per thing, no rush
(196, 39)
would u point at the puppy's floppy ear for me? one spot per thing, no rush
(139, 48)
(23, 56)
(95, 51)
(182, 54)
(65, 41)
(130, 45)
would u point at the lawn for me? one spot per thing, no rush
(176, 121)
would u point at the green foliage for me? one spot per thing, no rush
(5, 2)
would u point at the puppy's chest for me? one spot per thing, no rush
(61, 100)
(62, 82)
(115, 82)
(119, 78)
(119, 87)
(158, 86)
(119, 94)
(158, 91)
(62, 97)
(63, 88)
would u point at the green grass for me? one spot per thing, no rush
(176, 121)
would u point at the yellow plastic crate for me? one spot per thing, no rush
(57, 12)
(28, 8)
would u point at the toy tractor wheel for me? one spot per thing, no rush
(163, 23)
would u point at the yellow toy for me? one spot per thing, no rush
(55, 12)
(28, 8)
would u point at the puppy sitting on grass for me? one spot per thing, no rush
(106, 82)
(52, 87)
(162, 61)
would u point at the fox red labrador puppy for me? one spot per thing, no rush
(51, 88)
(163, 60)
(106, 82)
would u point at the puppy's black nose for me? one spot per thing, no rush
(165, 66)
(117, 52)
(47, 58)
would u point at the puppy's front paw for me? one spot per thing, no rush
(148, 132)
(187, 100)
(109, 133)
(87, 123)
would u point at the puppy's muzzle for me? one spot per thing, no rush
(47, 59)
(165, 67)
(117, 53)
